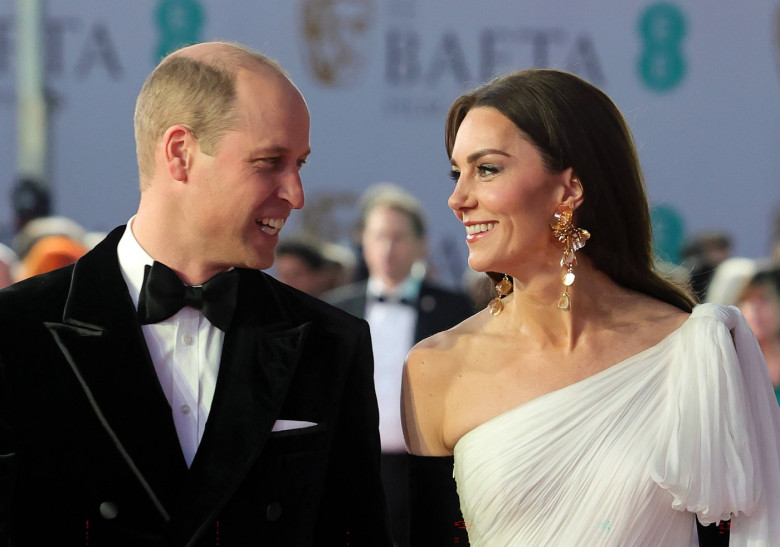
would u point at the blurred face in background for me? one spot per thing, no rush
(296, 272)
(761, 308)
(390, 246)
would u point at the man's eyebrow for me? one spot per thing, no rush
(274, 151)
(268, 151)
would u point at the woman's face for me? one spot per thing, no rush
(762, 312)
(504, 195)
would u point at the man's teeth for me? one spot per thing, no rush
(472, 229)
(271, 226)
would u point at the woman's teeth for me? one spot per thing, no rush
(472, 229)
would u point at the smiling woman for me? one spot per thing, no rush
(562, 402)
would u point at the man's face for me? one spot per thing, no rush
(242, 195)
(390, 246)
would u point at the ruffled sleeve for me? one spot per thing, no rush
(718, 450)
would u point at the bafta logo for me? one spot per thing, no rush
(336, 39)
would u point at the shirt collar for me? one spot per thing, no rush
(132, 260)
(408, 289)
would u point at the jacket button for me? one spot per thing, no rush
(108, 510)
(427, 303)
(273, 511)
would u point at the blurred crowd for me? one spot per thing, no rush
(43, 244)
(753, 285)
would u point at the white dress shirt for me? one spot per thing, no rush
(185, 349)
(392, 336)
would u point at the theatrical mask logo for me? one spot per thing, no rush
(336, 39)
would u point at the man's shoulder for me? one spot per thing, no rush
(350, 298)
(307, 307)
(48, 290)
(346, 293)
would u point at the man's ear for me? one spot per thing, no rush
(574, 194)
(178, 145)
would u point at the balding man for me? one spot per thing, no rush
(163, 390)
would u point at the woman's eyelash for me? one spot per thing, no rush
(483, 170)
(488, 169)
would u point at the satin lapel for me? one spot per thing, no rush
(101, 340)
(259, 358)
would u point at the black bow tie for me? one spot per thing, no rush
(163, 294)
(392, 300)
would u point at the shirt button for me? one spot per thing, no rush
(108, 510)
(188, 339)
(185, 409)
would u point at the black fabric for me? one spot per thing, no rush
(714, 535)
(434, 506)
(395, 470)
(88, 448)
(163, 294)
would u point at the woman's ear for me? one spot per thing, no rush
(574, 194)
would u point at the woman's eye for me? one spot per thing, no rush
(487, 170)
(454, 175)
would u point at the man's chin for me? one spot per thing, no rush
(256, 262)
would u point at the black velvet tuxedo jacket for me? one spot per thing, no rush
(437, 308)
(89, 454)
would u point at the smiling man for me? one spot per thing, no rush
(164, 391)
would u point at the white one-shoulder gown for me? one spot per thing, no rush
(626, 456)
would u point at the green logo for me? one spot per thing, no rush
(662, 29)
(179, 23)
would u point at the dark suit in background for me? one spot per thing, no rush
(437, 308)
(402, 308)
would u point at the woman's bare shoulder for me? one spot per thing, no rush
(656, 315)
(441, 350)
(643, 321)
(428, 372)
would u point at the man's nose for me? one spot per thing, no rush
(292, 190)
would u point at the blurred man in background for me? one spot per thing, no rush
(402, 307)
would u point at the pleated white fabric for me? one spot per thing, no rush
(626, 456)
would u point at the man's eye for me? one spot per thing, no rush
(268, 163)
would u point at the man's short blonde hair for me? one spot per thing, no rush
(197, 91)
